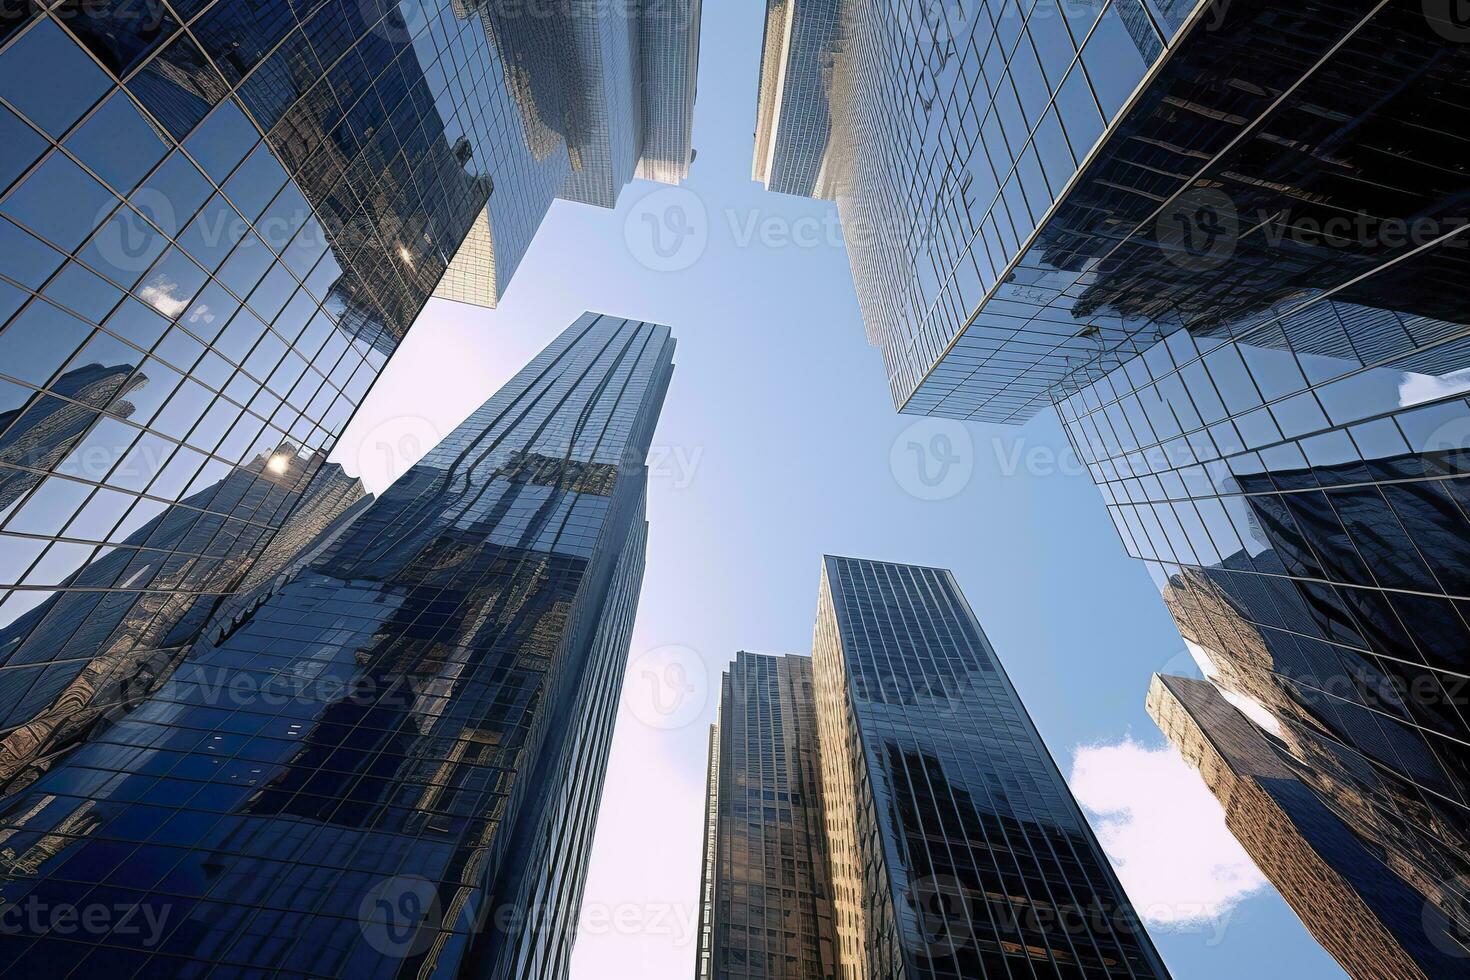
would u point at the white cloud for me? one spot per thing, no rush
(161, 293)
(1165, 833)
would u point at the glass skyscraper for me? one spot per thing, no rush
(1357, 907)
(1226, 241)
(768, 911)
(390, 764)
(793, 124)
(217, 220)
(956, 849)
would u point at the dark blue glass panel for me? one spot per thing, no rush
(117, 144)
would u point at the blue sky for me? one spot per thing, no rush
(779, 443)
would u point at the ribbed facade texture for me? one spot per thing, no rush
(670, 51)
(769, 908)
(1227, 243)
(390, 766)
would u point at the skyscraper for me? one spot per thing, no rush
(624, 89)
(1224, 240)
(954, 847)
(793, 123)
(769, 907)
(1357, 906)
(391, 766)
(217, 220)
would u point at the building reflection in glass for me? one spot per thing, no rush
(956, 848)
(1376, 923)
(119, 624)
(1234, 261)
(217, 221)
(391, 766)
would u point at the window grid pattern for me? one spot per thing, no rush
(216, 219)
(426, 709)
(770, 898)
(955, 127)
(1208, 221)
(957, 849)
(1300, 497)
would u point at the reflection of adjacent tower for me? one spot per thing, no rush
(956, 847)
(123, 621)
(1350, 758)
(767, 890)
(1371, 920)
(1239, 280)
(38, 437)
(429, 702)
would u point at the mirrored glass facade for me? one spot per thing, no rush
(217, 220)
(1244, 296)
(769, 907)
(638, 60)
(956, 848)
(390, 765)
(793, 123)
(1372, 920)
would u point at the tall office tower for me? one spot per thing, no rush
(793, 123)
(1226, 241)
(390, 767)
(768, 911)
(956, 848)
(216, 222)
(1358, 908)
(639, 59)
